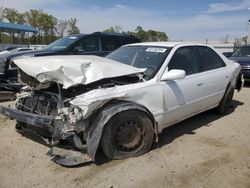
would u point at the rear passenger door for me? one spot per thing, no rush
(214, 73)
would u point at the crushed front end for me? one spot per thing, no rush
(53, 119)
(62, 98)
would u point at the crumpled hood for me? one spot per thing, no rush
(72, 70)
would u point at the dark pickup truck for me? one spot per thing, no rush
(97, 43)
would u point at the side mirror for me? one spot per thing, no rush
(174, 74)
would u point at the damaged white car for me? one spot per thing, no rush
(120, 103)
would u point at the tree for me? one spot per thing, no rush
(1, 19)
(10, 14)
(48, 23)
(20, 18)
(109, 30)
(49, 27)
(116, 29)
(72, 27)
(61, 27)
(162, 36)
(32, 18)
(141, 34)
(150, 35)
(44, 23)
(1, 13)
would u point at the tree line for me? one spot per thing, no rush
(51, 28)
(144, 36)
(48, 26)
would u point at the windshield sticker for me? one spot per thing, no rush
(157, 50)
(72, 38)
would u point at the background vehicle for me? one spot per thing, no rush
(227, 54)
(242, 56)
(92, 44)
(7, 49)
(138, 91)
(15, 50)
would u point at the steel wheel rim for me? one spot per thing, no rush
(129, 136)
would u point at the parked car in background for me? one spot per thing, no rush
(242, 56)
(22, 49)
(227, 54)
(7, 49)
(78, 104)
(15, 50)
(97, 43)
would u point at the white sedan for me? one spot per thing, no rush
(120, 103)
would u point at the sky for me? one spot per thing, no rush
(179, 19)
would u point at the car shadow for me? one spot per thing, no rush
(168, 135)
(247, 84)
(189, 125)
(32, 136)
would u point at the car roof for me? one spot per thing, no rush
(103, 34)
(164, 44)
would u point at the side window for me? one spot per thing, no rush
(184, 59)
(110, 43)
(209, 59)
(88, 44)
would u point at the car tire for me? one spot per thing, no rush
(225, 101)
(127, 134)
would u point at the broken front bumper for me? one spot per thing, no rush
(44, 122)
(62, 156)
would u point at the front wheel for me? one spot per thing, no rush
(127, 134)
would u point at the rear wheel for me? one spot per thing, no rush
(226, 101)
(127, 134)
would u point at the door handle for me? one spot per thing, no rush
(200, 84)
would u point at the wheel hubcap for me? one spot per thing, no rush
(129, 136)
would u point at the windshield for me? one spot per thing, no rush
(62, 43)
(242, 52)
(148, 57)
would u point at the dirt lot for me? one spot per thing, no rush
(205, 151)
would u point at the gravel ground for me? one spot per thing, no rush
(207, 150)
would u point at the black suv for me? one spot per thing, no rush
(97, 43)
